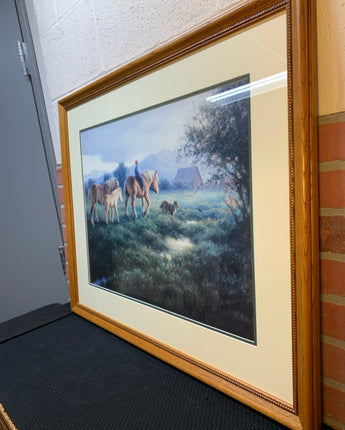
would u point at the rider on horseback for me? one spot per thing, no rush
(138, 175)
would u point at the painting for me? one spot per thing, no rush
(190, 179)
(184, 243)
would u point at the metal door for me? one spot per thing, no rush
(31, 274)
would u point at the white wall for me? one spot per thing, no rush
(79, 41)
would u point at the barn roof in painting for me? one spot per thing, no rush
(187, 174)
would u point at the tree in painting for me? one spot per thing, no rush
(121, 173)
(217, 137)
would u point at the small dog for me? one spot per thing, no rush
(171, 207)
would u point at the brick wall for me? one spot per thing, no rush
(332, 259)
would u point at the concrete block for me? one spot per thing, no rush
(127, 30)
(64, 6)
(45, 14)
(71, 51)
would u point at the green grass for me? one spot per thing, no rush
(196, 264)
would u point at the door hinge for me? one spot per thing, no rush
(63, 258)
(22, 50)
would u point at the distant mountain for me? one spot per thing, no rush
(95, 175)
(164, 162)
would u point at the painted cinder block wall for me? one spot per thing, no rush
(79, 41)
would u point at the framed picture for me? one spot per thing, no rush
(189, 251)
(190, 181)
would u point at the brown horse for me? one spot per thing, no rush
(97, 194)
(133, 189)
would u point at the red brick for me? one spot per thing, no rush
(64, 233)
(59, 175)
(332, 234)
(333, 403)
(63, 214)
(333, 320)
(331, 142)
(61, 195)
(332, 186)
(333, 362)
(66, 252)
(332, 276)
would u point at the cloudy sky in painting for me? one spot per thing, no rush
(136, 136)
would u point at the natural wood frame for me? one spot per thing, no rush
(305, 413)
(5, 421)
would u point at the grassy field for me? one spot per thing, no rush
(196, 264)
